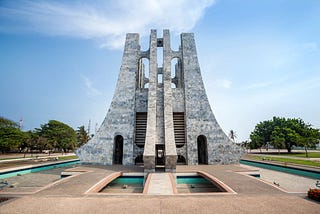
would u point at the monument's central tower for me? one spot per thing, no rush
(160, 115)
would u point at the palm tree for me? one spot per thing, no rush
(232, 135)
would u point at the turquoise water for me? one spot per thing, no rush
(125, 184)
(192, 180)
(180, 180)
(36, 169)
(128, 180)
(301, 172)
(195, 184)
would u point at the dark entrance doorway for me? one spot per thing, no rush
(160, 155)
(202, 149)
(118, 150)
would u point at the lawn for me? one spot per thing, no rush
(17, 157)
(303, 155)
(286, 160)
(61, 157)
(67, 157)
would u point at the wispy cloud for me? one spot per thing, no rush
(258, 85)
(90, 89)
(106, 21)
(283, 91)
(223, 83)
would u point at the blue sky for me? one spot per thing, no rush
(60, 59)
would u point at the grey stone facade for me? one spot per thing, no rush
(160, 118)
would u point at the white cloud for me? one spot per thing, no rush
(90, 89)
(259, 85)
(106, 21)
(223, 83)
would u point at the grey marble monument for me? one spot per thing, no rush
(160, 115)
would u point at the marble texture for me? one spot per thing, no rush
(160, 100)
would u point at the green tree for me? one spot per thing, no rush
(82, 136)
(37, 142)
(42, 144)
(246, 144)
(30, 143)
(11, 137)
(4, 122)
(277, 138)
(309, 139)
(257, 141)
(281, 132)
(58, 135)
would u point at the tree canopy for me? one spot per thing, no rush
(82, 136)
(285, 133)
(4, 122)
(52, 136)
(58, 135)
(10, 135)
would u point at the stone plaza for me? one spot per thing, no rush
(50, 194)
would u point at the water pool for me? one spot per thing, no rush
(196, 179)
(291, 170)
(12, 173)
(195, 184)
(124, 184)
(129, 180)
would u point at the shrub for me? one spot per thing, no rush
(314, 194)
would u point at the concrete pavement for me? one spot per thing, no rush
(69, 196)
(160, 184)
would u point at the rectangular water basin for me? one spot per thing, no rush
(286, 169)
(125, 184)
(38, 168)
(196, 183)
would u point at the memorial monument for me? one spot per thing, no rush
(160, 115)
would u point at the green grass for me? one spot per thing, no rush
(34, 156)
(9, 158)
(286, 160)
(68, 157)
(303, 155)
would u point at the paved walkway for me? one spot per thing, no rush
(247, 204)
(69, 196)
(288, 182)
(160, 184)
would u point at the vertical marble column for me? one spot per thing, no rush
(151, 133)
(170, 146)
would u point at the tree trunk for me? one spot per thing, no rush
(289, 147)
(305, 148)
